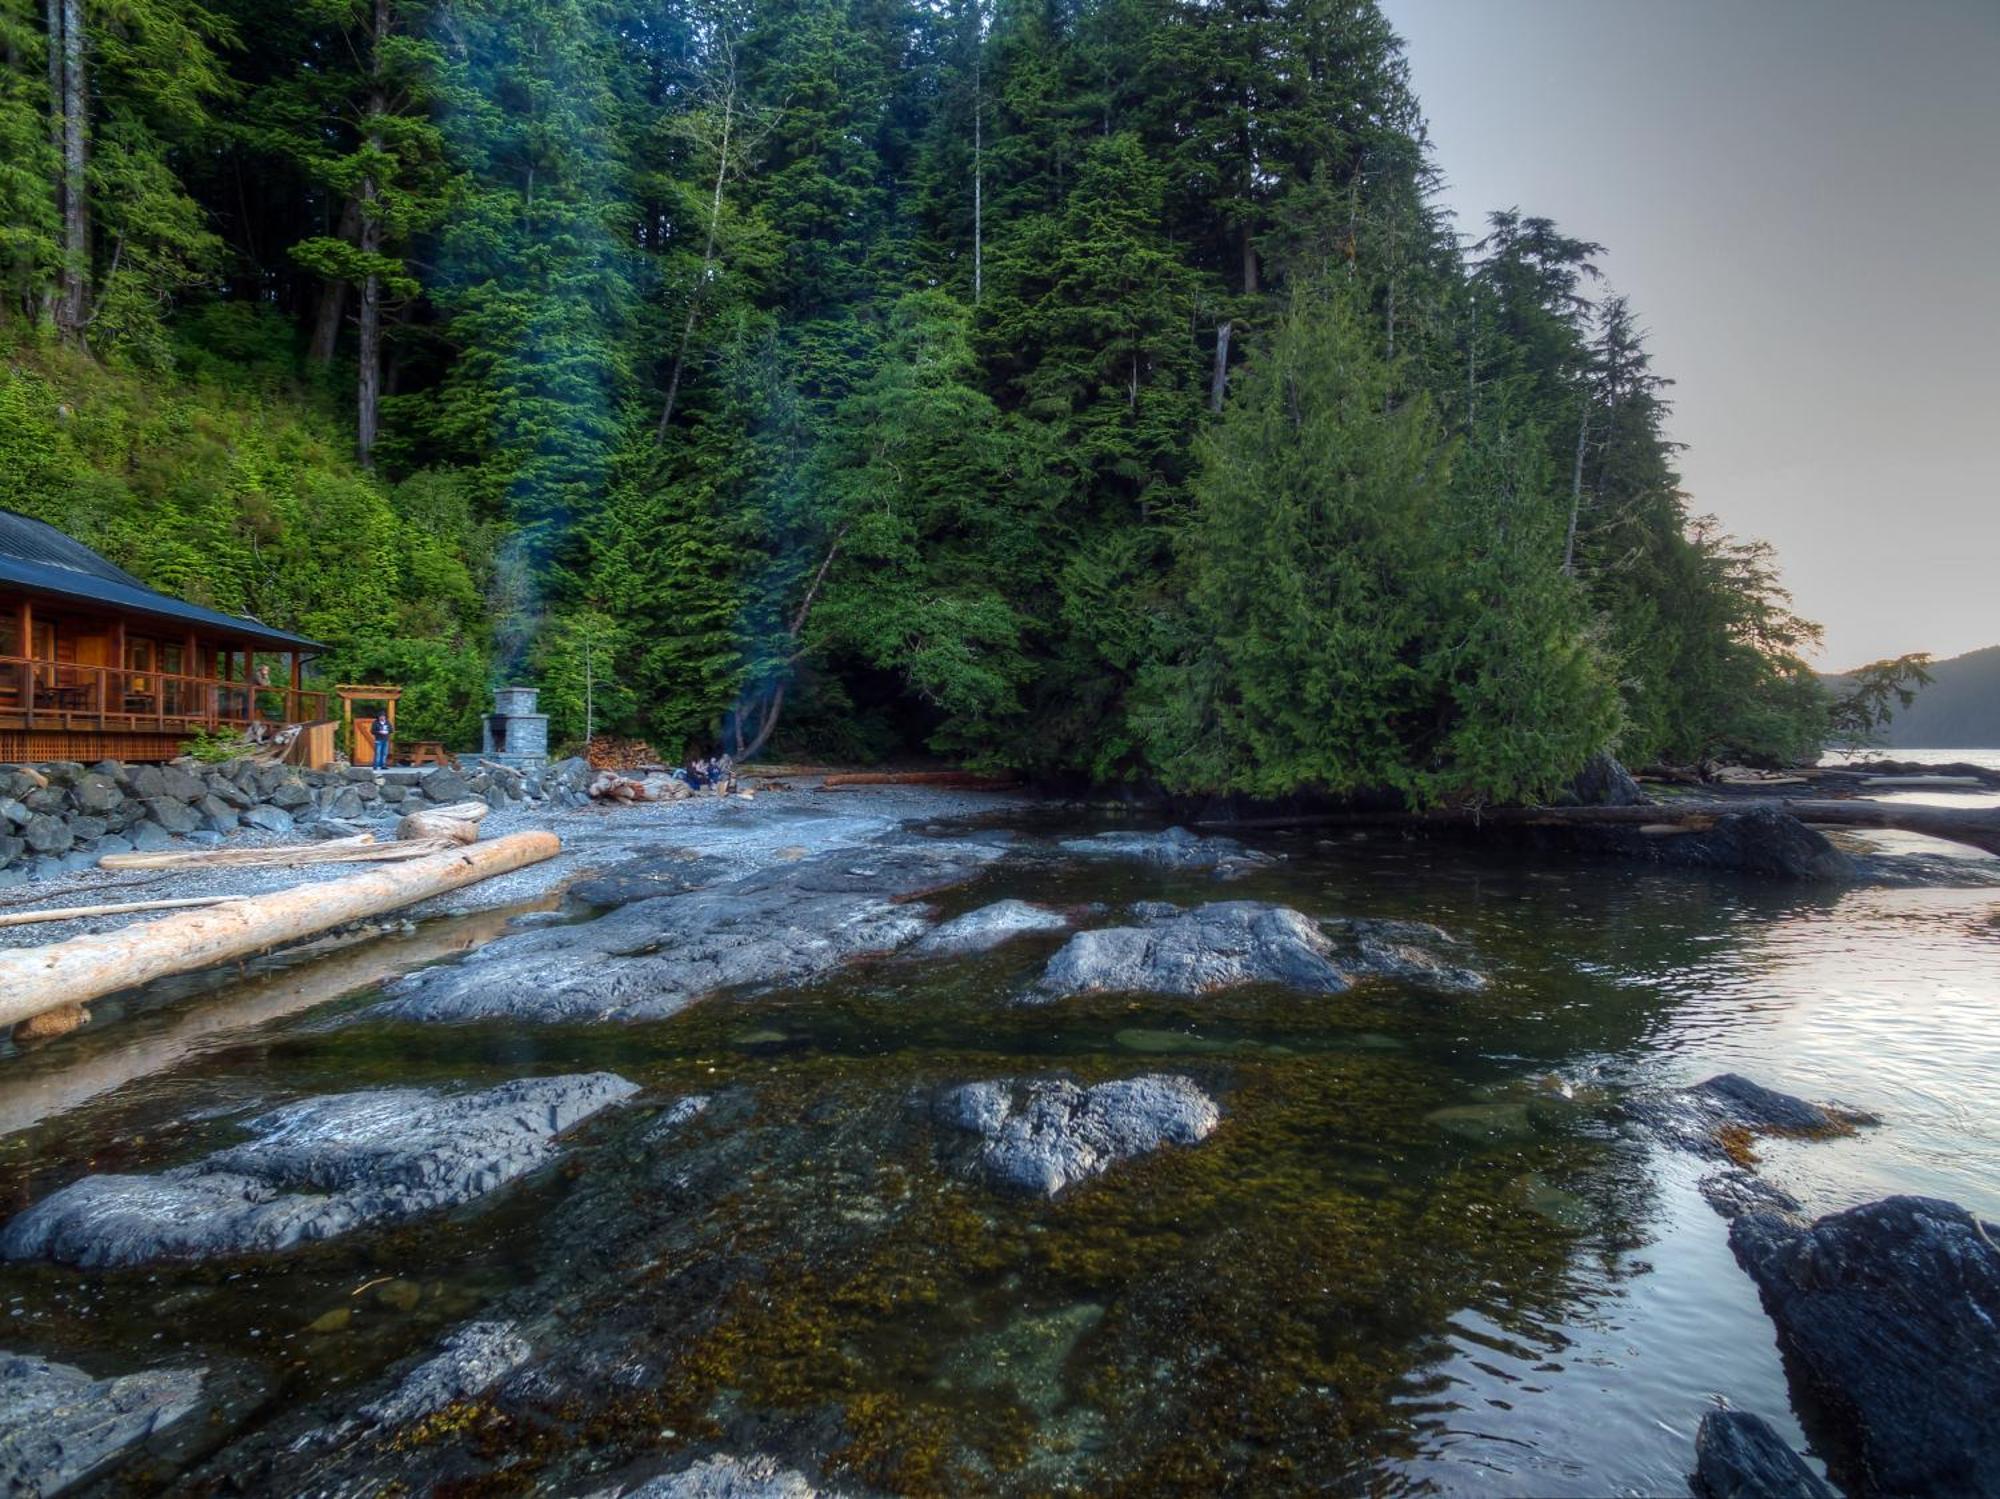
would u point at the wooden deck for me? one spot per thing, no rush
(62, 711)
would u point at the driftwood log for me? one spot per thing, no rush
(38, 979)
(456, 823)
(1977, 827)
(949, 780)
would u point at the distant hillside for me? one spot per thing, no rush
(1959, 710)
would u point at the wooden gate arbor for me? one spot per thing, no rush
(354, 729)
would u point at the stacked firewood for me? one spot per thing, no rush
(610, 752)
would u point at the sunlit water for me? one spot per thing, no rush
(1420, 1254)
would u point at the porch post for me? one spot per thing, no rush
(28, 656)
(298, 706)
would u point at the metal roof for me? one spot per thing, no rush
(36, 556)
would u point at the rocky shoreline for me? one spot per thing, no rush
(687, 905)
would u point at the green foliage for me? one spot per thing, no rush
(1226, 467)
(218, 748)
(1871, 695)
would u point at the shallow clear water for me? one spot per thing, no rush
(1420, 1254)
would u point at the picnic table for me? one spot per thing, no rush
(428, 752)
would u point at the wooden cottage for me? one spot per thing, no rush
(94, 665)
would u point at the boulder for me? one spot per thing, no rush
(52, 800)
(1048, 1133)
(231, 795)
(444, 785)
(180, 785)
(217, 816)
(1889, 1315)
(1217, 946)
(289, 796)
(474, 1358)
(268, 820)
(1603, 782)
(58, 1425)
(341, 801)
(724, 1477)
(653, 958)
(12, 813)
(46, 834)
(1721, 1118)
(84, 829)
(95, 793)
(1738, 1456)
(1403, 951)
(313, 1170)
(990, 926)
(172, 814)
(1176, 848)
(149, 837)
(11, 849)
(144, 781)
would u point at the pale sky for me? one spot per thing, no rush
(1802, 200)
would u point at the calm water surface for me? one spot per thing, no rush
(1421, 1255)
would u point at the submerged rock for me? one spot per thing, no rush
(1229, 943)
(1759, 841)
(1217, 946)
(1045, 1134)
(473, 1359)
(725, 1477)
(1738, 1456)
(989, 927)
(1176, 848)
(1890, 1315)
(1721, 1118)
(316, 1169)
(654, 958)
(58, 1425)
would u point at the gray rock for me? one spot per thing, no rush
(355, 774)
(173, 815)
(58, 1425)
(654, 958)
(724, 1477)
(145, 782)
(289, 795)
(1046, 1134)
(217, 816)
(1216, 946)
(95, 793)
(647, 877)
(394, 794)
(231, 795)
(1403, 951)
(313, 1170)
(12, 813)
(1718, 1118)
(84, 829)
(1889, 1315)
(679, 1115)
(443, 785)
(47, 835)
(51, 800)
(178, 784)
(990, 926)
(474, 1358)
(110, 843)
(1739, 1456)
(1603, 782)
(149, 837)
(11, 849)
(1736, 1192)
(268, 819)
(341, 801)
(1176, 848)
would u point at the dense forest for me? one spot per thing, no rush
(1083, 386)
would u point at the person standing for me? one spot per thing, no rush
(383, 731)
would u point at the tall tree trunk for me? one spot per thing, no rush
(1218, 383)
(69, 125)
(333, 295)
(1576, 491)
(978, 182)
(368, 383)
(707, 262)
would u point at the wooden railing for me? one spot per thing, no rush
(62, 695)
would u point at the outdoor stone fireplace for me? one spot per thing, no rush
(514, 733)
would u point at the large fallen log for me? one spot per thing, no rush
(37, 979)
(947, 780)
(1977, 827)
(122, 908)
(359, 850)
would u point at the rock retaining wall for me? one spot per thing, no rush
(61, 817)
